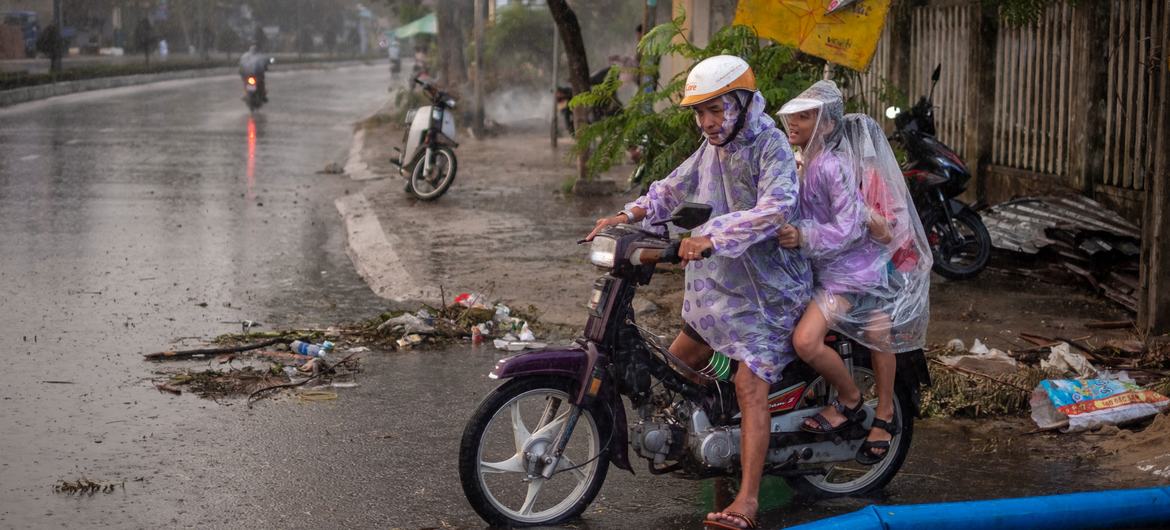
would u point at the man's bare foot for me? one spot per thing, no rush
(740, 514)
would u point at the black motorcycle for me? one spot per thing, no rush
(538, 448)
(936, 175)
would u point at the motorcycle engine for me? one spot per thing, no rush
(658, 441)
(717, 447)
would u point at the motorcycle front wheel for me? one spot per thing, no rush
(850, 477)
(962, 252)
(500, 462)
(430, 185)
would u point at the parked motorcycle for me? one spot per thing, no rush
(427, 157)
(538, 448)
(936, 175)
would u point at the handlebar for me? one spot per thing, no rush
(666, 255)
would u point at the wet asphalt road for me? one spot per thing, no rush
(135, 217)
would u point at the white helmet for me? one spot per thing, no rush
(716, 76)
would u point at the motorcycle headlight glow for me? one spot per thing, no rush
(602, 251)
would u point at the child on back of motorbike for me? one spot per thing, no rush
(745, 299)
(854, 222)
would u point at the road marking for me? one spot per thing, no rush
(355, 167)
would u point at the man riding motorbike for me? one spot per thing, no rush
(745, 299)
(253, 64)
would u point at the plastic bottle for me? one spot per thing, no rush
(305, 348)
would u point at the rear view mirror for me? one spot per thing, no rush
(937, 70)
(690, 215)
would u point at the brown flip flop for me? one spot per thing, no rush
(751, 523)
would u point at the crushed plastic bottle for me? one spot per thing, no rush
(314, 350)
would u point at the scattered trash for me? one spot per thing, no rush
(956, 345)
(409, 341)
(978, 348)
(1061, 360)
(994, 362)
(317, 395)
(333, 168)
(1080, 404)
(312, 350)
(407, 323)
(472, 300)
(84, 486)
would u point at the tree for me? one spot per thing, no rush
(452, 28)
(570, 31)
(49, 43)
(228, 42)
(145, 39)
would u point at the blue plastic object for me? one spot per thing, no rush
(1144, 508)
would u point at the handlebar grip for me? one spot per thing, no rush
(670, 253)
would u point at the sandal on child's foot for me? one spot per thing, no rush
(853, 415)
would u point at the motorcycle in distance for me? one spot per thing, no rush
(427, 157)
(253, 97)
(936, 175)
(538, 448)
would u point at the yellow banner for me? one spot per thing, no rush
(847, 37)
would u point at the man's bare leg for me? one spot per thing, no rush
(885, 367)
(692, 352)
(752, 394)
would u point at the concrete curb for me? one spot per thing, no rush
(372, 251)
(34, 93)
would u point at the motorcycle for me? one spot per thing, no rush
(936, 175)
(427, 157)
(255, 90)
(538, 448)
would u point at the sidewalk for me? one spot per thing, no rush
(505, 229)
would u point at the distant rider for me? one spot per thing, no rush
(255, 65)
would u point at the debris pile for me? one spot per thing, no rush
(1066, 383)
(84, 486)
(1072, 234)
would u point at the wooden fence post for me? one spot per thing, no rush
(1154, 284)
(1086, 161)
(980, 134)
(901, 34)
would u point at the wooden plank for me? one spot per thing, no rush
(1110, 102)
(1021, 88)
(997, 104)
(1065, 83)
(1046, 84)
(1141, 120)
(1132, 73)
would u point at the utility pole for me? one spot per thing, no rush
(556, 60)
(58, 18)
(479, 57)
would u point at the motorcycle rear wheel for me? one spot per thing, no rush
(428, 187)
(494, 464)
(851, 478)
(962, 255)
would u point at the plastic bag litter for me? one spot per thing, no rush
(473, 300)
(1061, 359)
(1081, 404)
(994, 362)
(409, 324)
(978, 348)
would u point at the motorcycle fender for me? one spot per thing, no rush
(956, 207)
(576, 364)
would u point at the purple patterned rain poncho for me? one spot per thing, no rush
(833, 231)
(746, 298)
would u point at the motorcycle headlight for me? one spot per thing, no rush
(450, 103)
(602, 251)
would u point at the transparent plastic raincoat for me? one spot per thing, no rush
(859, 228)
(746, 298)
(899, 311)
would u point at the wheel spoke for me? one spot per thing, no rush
(566, 464)
(511, 465)
(520, 433)
(530, 498)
